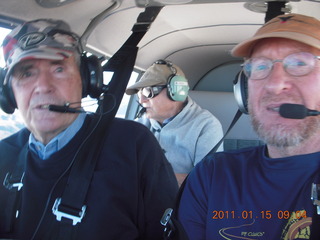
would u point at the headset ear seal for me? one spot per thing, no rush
(91, 75)
(240, 91)
(7, 100)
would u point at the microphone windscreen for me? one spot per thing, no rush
(64, 109)
(293, 111)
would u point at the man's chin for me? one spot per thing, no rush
(282, 141)
(281, 135)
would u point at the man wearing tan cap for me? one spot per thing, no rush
(265, 192)
(185, 131)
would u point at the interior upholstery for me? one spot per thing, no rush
(224, 106)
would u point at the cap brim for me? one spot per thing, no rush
(244, 49)
(43, 53)
(133, 89)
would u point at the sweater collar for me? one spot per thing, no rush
(58, 142)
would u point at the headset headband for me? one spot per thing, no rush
(168, 63)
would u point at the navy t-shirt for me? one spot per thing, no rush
(245, 195)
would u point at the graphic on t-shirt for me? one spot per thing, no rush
(298, 227)
(226, 233)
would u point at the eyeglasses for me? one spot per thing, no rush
(296, 64)
(151, 92)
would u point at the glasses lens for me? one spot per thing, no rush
(257, 68)
(151, 92)
(147, 92)
(299, 64)
(247, 68)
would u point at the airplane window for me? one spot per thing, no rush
(125, 100)
(3, 33)
(90, 104)
(9, 123)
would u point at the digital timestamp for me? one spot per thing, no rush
(261, 215)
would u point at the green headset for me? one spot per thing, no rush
(177, 85)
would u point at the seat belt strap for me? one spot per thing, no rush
(14, 179)
(234, 120)
(14, 183)
(315, 197)
(173, 229)
(71, 206)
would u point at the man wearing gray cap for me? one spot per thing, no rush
(185, 131)
(132, 182)
(271, 191)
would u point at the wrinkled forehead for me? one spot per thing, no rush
(28, 64)
(270, 46)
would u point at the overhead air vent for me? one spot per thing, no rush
(262, 6)
(143, 3)
(53, 3)
(271, 8)
(174, 1)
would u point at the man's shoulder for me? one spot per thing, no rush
(17, 139)
(11, 146)
(220, 163)
(120, 122)
(200, 112)
(129, 127)
(239, 156)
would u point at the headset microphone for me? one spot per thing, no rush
(64, 109)
(141, 111)
(296, 111)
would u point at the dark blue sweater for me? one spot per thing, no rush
(131, 187)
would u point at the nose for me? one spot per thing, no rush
(142, 98)
(44, 81)
(278, 80)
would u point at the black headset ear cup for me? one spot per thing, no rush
(240, 90)
(7, 100)
(177, 88)
(91, 75)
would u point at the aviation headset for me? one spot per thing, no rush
(91, 75)
(240, 90)
(177, 85)
(240, 87)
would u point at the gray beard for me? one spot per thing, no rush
(281, 136)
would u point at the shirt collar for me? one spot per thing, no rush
(59, 141)
(166, 121)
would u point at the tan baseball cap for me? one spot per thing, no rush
(157, 74)
(297, 27)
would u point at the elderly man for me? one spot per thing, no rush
(265, 192)
(132, 182)
(185, 131)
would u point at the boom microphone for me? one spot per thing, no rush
(296, 111)
(141, 111)
(63, 109)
